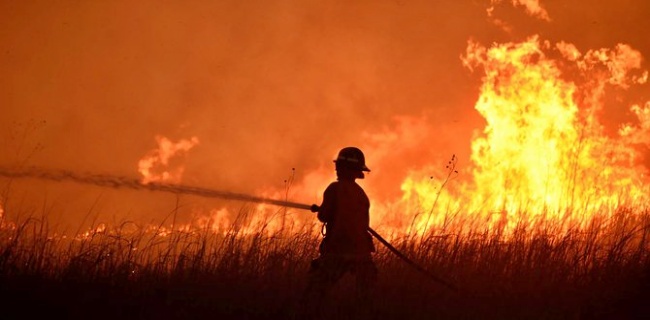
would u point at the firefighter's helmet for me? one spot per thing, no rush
(352, 158)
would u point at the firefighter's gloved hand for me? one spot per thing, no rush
(314, 208)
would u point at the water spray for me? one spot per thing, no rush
(118, 182)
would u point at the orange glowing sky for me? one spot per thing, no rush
(267, 86)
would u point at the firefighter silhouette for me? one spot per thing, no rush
(347, 246)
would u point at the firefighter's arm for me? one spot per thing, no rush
(326, 209)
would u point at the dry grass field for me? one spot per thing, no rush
(135, 272)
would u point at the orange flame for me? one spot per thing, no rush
(543, 154)
(158, 165)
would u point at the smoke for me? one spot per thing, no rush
(264, 86)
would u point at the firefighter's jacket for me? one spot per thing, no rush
(345, 211)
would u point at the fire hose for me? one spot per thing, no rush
(110, 181)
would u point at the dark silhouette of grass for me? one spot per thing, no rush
(137, 272)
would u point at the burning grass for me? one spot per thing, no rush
(132, 271)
